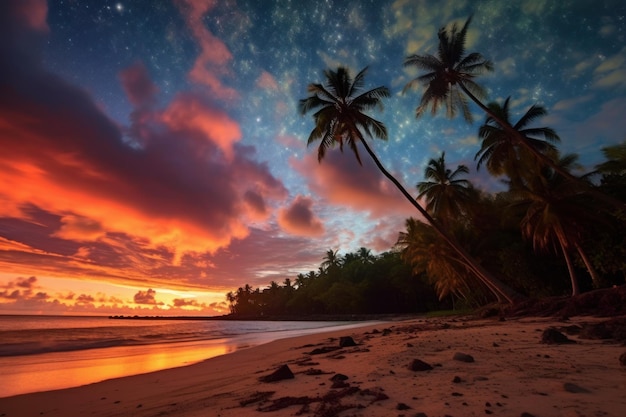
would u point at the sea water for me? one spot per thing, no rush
(41, 353)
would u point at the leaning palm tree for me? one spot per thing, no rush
(423, 249)
(503, 155)
(341, 119)
(451, 73)
(555, 216)
(447, 195)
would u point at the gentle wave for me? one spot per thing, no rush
(56, 338)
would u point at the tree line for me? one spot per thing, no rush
(552, 221)
(355, 283)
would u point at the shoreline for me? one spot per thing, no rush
(512, 373)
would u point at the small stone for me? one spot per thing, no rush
(463, 357)
(418, 366)
(339, 377)
(278, 375)
(554, 337)
(456, 380)
(402, 406)
(573, 388)
(346, 341)
(622, 359)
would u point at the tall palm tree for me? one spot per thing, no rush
(503, 155)
(449, 74)
(453, 71)
(341, 119)
(556, 214)
(447, 195)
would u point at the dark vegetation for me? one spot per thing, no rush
(555, 230)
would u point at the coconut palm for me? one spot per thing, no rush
(503, 155)
(331, 260)
(427, 253)
(447, 196)
(449, 74)
(555, 216)
(341, 119)
(453, 71)
(616, 159)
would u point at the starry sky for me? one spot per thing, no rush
(152, 156)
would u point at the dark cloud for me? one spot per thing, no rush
(138, 85)
(299, 218)
(146, 297)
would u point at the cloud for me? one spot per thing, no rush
(182, 302)
(31, 13)
(189, 113)
(27, 283)
(137, 84)
(146, 297)
(187, 185)
(212, 63)
(266, 81)
(299, 219)
(340, 180)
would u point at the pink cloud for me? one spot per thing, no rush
(32, 13)
(137, 84)
(214, 54)
(267, 81)
(299, 218)
(342, 181)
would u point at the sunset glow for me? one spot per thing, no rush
(153, 158)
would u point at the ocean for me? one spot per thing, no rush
(42, 353)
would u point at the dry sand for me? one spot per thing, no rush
(513, 374)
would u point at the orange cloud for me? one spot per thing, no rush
(299, 219)
(81, 190)
(214, 54)
(190, 113)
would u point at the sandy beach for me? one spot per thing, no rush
(421, 367)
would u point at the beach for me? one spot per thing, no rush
(421, 367)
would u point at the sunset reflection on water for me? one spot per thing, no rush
(59, 370)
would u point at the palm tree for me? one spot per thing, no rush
(503, 155)
(341, 119)
(449, 74)
(447, 196)
(365, 255)
(452, 72)
(556, 214)
(427, 253)
(331, 260)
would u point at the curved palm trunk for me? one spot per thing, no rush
(498, 288)
(570, 268)
(592, 271)
(522, 140)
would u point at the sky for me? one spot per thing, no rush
(152, 156)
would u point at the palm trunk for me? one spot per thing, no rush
(570, 268)
(498, 288)
(592, 271)
(543, 158)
